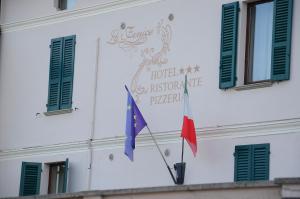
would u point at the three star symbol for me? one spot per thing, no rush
(189, 69)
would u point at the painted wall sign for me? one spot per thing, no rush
(156, 79)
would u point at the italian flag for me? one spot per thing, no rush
(188, 131)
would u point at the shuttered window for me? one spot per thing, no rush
(251, 162)
(281, 49)
(30, 178)
(242, 163)
(268, 42)
(229, 33)
(61, 73)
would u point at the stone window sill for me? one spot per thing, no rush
(58, 112)
(254, 86)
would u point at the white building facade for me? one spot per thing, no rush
(64, 64)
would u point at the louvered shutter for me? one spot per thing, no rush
(242, 171)
(55, 74)
(67, 72)
(260, 158)
(227, 76)
(66, 172)
(281, 48)
(30, 178)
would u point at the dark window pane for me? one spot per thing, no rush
(56, 178)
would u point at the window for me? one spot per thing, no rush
(259, 41)
(65, 4)
(268, 46)
(61, 73)
(30, 178)
(251, 162)
(58, 173)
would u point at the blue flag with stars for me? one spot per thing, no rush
(134, 124)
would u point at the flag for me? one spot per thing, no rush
(134, 124)
(188, 131)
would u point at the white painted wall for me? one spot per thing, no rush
(30, 9)
(24, 70)
(195, 43)
(214, 163)
(10, 170)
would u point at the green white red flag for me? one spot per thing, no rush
(188, 131)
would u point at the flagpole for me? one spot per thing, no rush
(182, 165)
(169, 169)
(182, 145)
(182, 150)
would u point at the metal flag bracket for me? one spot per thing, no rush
(180, 172)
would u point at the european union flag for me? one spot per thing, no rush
(134, 124)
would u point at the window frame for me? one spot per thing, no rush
(56, 164)
(64, 165)
(250, 30)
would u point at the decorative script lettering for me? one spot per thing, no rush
(155, 80)
(128, 39)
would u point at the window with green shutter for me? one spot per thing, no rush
(268, 42)
(242, 164)
(61, 73)
(281, 45)
(30, 178)
(251, 162)
(228, 52)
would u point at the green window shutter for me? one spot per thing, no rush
(55, 74)
(229, 35)
(30, 178)
(67, 72)
(281, 47)
(242, 163)
(260, 161)
(66, 172)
